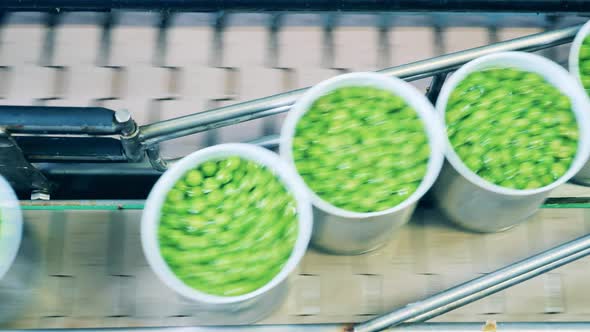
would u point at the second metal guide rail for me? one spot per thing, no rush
(481, 287)
(151, 134)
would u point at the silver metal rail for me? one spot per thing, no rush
(223, 116)
(481, 287)
(493, 327)
(425, 327)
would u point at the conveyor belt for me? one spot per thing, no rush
(88, 258)
(93, 274)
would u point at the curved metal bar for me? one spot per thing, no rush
(426, 327)
(224, 116)
(480, 287)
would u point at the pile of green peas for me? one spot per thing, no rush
(361, 149)
(228, 226)
(584, 63)
(512, 127)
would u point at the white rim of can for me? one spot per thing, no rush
(151, 217)
(555, 75)
(11, 226)
(409, 93)
(574, 55)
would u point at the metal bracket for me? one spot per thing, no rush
(17, 170)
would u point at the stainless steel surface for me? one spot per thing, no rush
(251, 328)
(481, 287)
(216, 118)
(479, 210)
(17, 170)
(583, 176)
(424, 327)
(493, 326)
(351, 236)
(143, 168)
(58, 120)
(223, 116)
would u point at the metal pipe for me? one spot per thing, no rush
(58, 120)
(499, 327)
(97, 169)
(482, 286)
(426, 327)
(501, 286)
(223, 116)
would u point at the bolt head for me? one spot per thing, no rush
(122, 116)
(40, 196)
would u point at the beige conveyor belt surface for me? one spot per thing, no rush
(86, 268)
(92, 273)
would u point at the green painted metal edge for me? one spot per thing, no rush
(551, 203)
(106, 205)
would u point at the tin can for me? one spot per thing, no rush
(583, 176)
(339, 231)
(478, 205)
(241, 309)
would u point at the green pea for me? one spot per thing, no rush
(527, 169)
(172, 221)
(508, 183)
(546, 179)
(558, 169)
(174, 196)
(209, 168)
(223, 176)
(521, 182)
(585, 67)
(533, 184)
(474, 162)
(458, 111)
(194, 178)
(569, 133)
(585, 52)
(181, 185)
(532, 79)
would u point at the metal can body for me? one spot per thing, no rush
(245, 312)
(350, 236)
(480, 210)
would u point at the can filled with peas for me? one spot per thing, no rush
(368, 147)
(224, 227)
(579, 67)
(517, 127)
